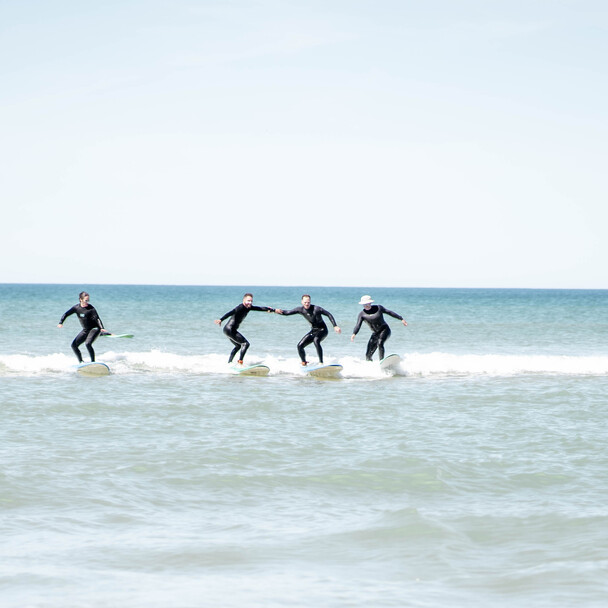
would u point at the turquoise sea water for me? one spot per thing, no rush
(477, 474)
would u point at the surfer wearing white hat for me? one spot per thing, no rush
(373, 315)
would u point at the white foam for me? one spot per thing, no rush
(29, 365)
(412, 364)
(438, 363)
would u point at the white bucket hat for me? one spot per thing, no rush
(366, 300)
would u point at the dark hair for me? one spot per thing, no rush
(248, 295)
(305, 296)
(83, 294)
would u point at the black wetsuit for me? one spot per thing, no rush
(91, 328)
(237, 315)
(318, 332)
(380, 329)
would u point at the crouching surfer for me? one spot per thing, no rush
(91, 324)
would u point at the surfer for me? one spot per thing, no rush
(374, 317)
(92, 327)
(237, 315)
(318, 332)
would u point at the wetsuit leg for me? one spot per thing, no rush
(319, 336)
(383, 335)
(240, 343)
(78, 340)
(316, 336)
(93, 335)
(372, 345)
(302, 344)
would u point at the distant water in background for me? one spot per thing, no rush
(477, 474)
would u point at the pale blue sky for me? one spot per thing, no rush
(442, 143)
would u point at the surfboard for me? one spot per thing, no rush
(323, 371)
(390, 363)
(117, 335)
(93, 369)
(251, 370)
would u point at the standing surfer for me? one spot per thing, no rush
(374, 317)
(91, 324)
(237, 315)
(318, 331)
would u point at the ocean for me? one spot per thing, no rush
(478, 473)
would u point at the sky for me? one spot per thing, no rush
(397, 143)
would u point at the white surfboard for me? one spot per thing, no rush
(390, 363)
(323, 371)
(93, 369)
(251, 370)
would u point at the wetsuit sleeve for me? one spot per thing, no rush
(329, 316)
(66, 314)
(262, 308)
(293, 311)
(358, 325)
(228, 314)
(391, 313)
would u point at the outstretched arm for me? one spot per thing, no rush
(331, 318)
(394, 315)
(224, 317)
(287, 313)
(357, 326)
(263, 308)
(65, 315)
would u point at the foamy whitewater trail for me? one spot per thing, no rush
(435, 364)
(447, 364)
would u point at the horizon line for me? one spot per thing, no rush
(307, 286)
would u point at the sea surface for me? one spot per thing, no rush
(477, 474)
